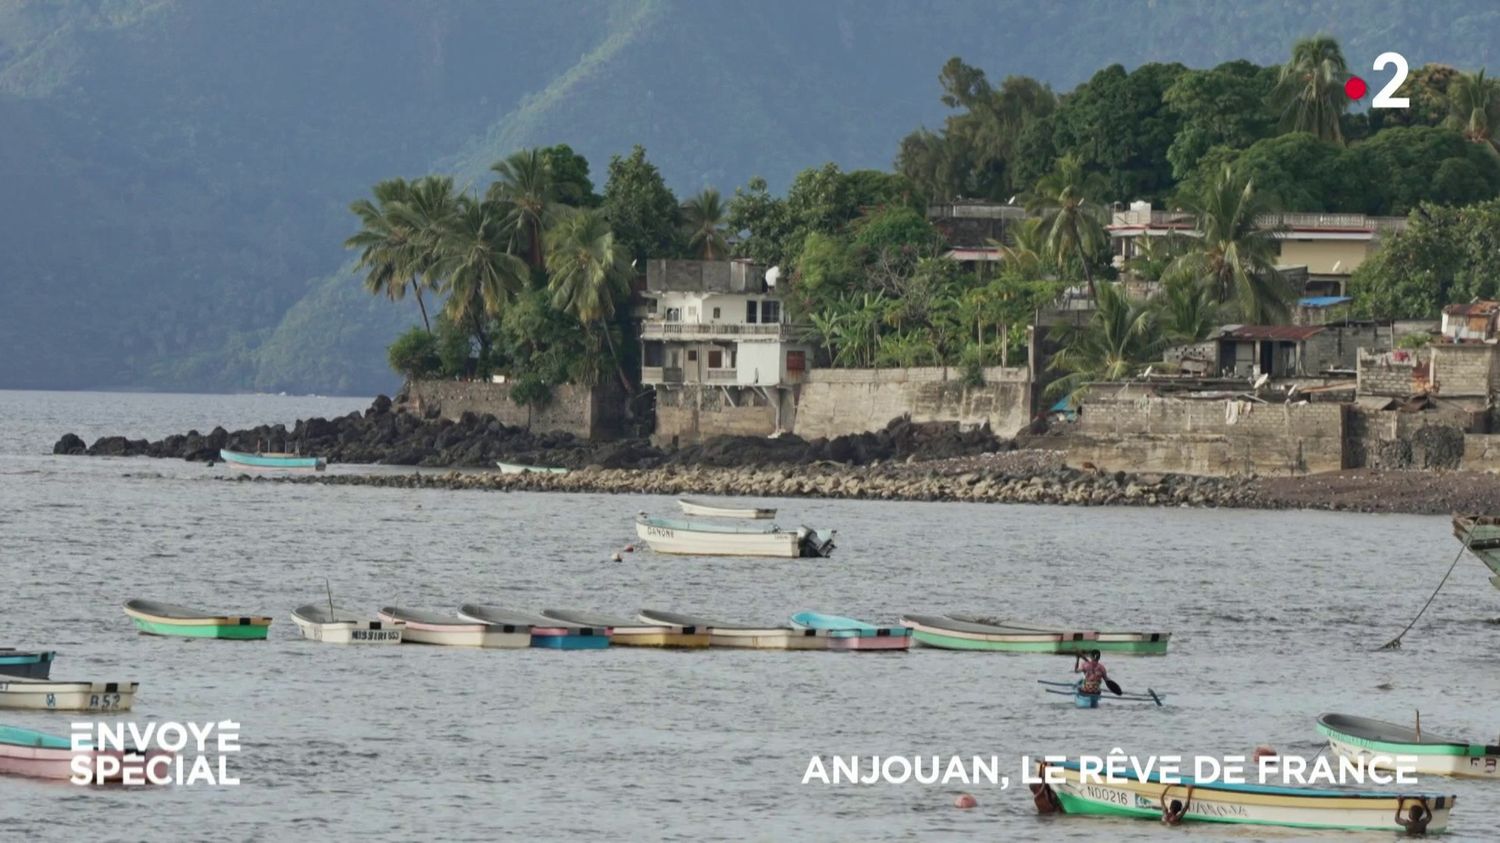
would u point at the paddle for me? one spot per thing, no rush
(1113, 686)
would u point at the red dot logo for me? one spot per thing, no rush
(1355, 88)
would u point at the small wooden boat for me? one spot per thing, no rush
(24, 752)
(517, 468)
(54, 695)
(971, 632)
(1360, 738)
(1128, 795)
(744, 636)
(453, 631)
(705, 509)
(1074, 689)
(545, 632)
(318, 622)
(633, 632)
(271, 461)
(26, 664)
(155, 618)
(1481, 533)
(700, 538)
(850, 634)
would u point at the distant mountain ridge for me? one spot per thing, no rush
(175, 175)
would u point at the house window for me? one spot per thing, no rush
(796, 361)
(692, 357)
(770, 312)
(750, 311)
(716, 360)
(716, 313)
(651, 306)
(674, 314)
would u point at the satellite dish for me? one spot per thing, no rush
(772, 276)
(1262, 380)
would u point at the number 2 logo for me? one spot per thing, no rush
(1384, 98)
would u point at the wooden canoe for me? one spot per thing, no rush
(422, 627)
(271, 461)
(633, 632)
(55, 695)
(341, 626)
(706, 509)
(546, 632)
(1361, 738)
(741, 635)
(155, 618)
(26, 664)
(850, 634)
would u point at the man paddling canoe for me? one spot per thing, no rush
(1095, 677)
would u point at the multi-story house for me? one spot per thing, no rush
(716, 339)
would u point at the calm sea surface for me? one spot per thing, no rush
(1276, 617)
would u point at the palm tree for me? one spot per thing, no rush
(703, 218)
(526, 187)
(1186, 309)
(1235, 255)
(587, 276)
(389, 248)
(474, 259)
(1026, 251)
(1071, 224)
(1117, 340)
(1310, 89)
(1475, 104)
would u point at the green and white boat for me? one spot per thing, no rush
(1386, 744)
(974, 632)
(518, 468)
(155, 618)
(1481, 533)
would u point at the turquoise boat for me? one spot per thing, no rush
(155, 618)
(549, 633)
(26, 664)
(271, 461)
(850, 634)
(1074, 689)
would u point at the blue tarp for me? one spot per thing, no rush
(1323, 301)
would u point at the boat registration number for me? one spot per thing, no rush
(104, 702)
(660, 532)
(376, 634)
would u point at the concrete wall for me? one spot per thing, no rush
(692, 414)
(1337, 346)
(1481, 452)
(835, 402)
(1394, 373)
(1319, 256)
(1467, 369)
(581, 411)
(1201, 437)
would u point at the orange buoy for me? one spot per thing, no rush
(1263, 751)
(965, 801)
(630, 548)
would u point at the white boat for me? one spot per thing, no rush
(699, 538)
(453, 631)
(1387, 744)
(704, 509)
(52, 695)
(517, 468)
(319, 622)
(743, 636)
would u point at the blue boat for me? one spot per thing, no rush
(1074, 689)
(26, 664)
(850, 634)
(271, 462)
(550, 633)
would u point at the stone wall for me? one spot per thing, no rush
(592, 413)
(1464, 369)
(1207, 437)
(690, 414)
(1481, 452)
(1392, 373)
(836, 402)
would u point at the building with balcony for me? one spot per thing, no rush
(718, 347)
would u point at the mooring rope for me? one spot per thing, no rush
(1395, 643)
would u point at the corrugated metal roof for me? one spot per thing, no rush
(1323, 301)
(1285, 333)
(1475, 308)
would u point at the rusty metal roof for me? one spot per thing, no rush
(1473, 308)
(1283, 333)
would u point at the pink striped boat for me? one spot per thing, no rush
(42, 756)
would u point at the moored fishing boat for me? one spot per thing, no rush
(708, 509)
(1074, 689)
(55, 695)
(26, 664)
(1481, 534)
(24, 752)
(699, 538)
(972, 632)
(1075, 640)
(156, 618)
(423, 627)
(545, 632)
(332, 625)
(517, 468)
(1384, 744)
(271, 461)
(744, 636)
(1130, 795)
(634, 632)
(850, 634)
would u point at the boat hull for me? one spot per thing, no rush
(241, 632)
(685, 640)
(1434, 757)
(351, 632)
(868, 644)
(778, 545)
(1034, 640)
(704, 509)
(1482, 536)
(26, 664)
(461, 634)
(271, 462)
(516, 468)
(569, 640)
(853, 635)
(164, 619)
(769, 639)
(1245, 804)
(49, 695)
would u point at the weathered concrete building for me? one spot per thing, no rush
(1285, 351)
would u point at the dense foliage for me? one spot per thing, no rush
(1445, 256)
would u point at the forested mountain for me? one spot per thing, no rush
(175, 176)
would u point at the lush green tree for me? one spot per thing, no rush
(1310, 89)
(528, 192)
(1225, 106)
(1234, 254)
(1026, 251)
(640, 208)
(1297, 170)
(761, 223)
(703, 219)
(1446, 255)
(1115, 343)
(1072, 220)
(454, 347)
(1474, 103)
(569, 172)
(1155, 255)
(1408, 166)
(588, 276)
(1426, 88)
(1187, 310)
(476, 261)
(1119, 125)
(826, 270)
(895, 232)
(541, 342)
(390, 249)
(414, 354)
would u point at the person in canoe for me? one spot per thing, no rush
(1094, 674)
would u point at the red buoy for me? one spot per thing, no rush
(965, 801)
